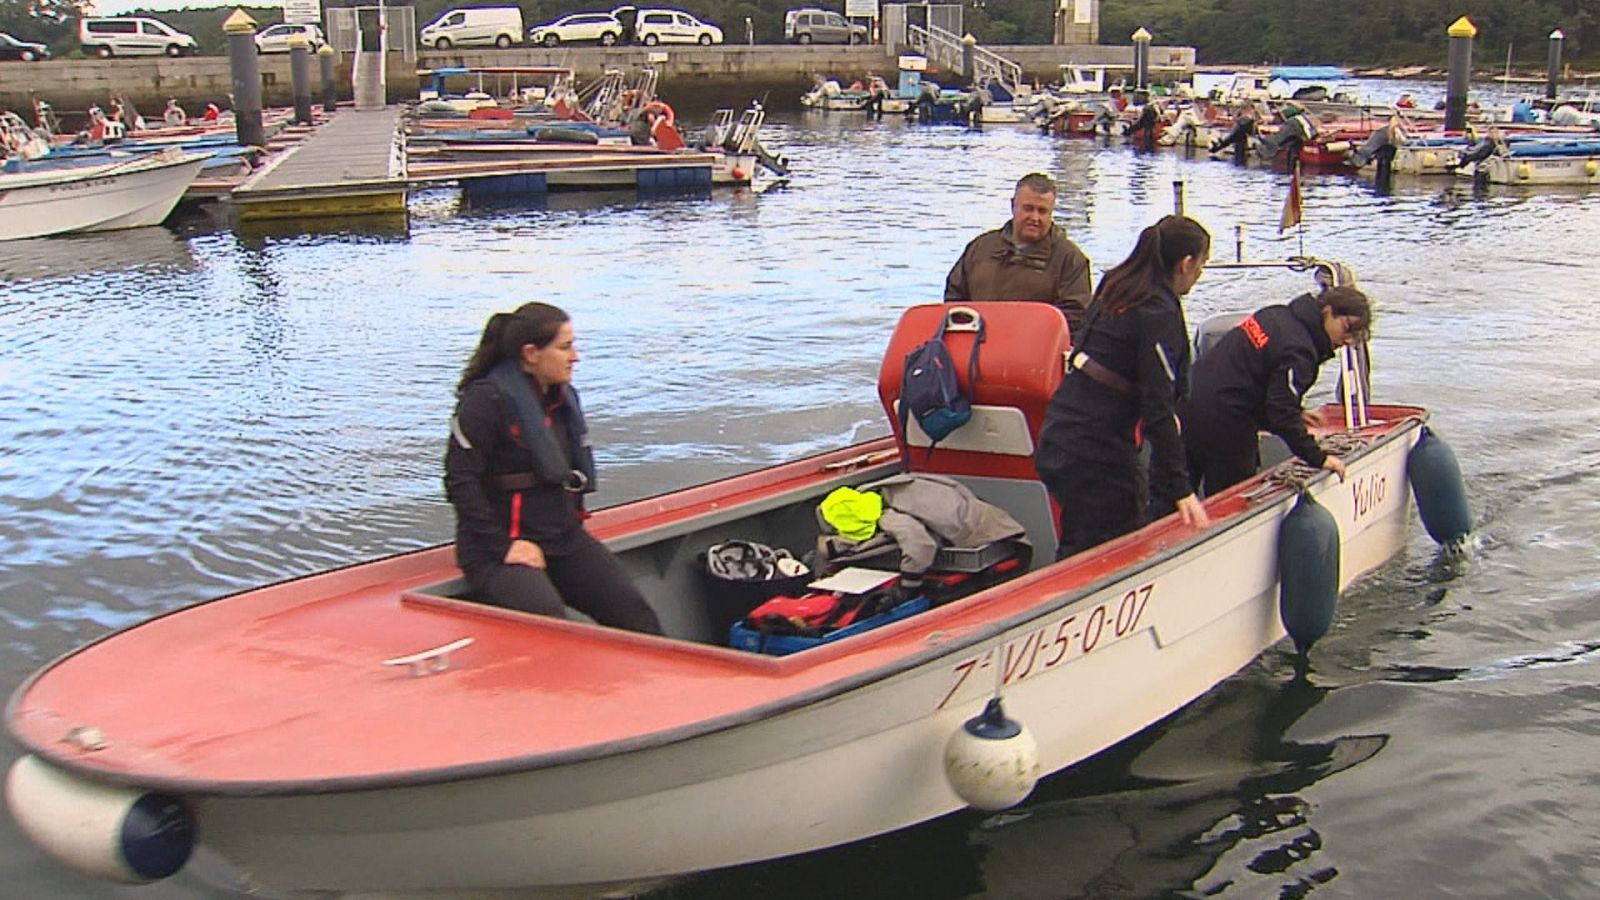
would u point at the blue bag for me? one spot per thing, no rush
(930, 391)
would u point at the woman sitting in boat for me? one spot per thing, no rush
(1124, 377)
(1255, 379)
(517, 468)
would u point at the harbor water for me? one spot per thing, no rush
(197, 409)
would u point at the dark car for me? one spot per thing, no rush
(11, 48)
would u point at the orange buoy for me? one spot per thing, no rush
(738, 174)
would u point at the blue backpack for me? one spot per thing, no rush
(929, 389)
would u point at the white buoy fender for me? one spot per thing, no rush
(1441, 496)
(111, 833)
(1308, 572)
(991, 761)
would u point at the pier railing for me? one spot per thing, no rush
(946, 48)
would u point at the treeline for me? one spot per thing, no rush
(1351, 32)
(1359, 32)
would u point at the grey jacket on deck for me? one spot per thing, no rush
(922, 513)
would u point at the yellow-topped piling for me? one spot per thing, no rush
(239, 23)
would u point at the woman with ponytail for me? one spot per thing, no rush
(1126, 372)
(517, 467)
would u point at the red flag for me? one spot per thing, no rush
(1291, 204)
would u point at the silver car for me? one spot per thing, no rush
(275, 38)
(820, 26)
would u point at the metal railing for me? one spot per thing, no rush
(946, 48)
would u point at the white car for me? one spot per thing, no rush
(275, 38)
(108, 36)
(671, 26)
(601, 27)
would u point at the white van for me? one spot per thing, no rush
(107, 36)
(474, 26)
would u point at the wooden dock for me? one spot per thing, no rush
(354, 164)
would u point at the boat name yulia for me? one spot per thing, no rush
(1367, 494)
(1064, 640)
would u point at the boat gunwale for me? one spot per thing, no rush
(1384, 433)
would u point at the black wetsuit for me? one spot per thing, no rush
(1254, 378)
(1128, 370)
(498, 499)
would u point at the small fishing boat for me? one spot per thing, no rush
(373, 729)
(138, 191)
(828, 94)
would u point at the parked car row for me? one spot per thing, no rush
(501, 26)
(496, 26)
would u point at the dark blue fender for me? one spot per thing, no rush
(1441, 495)
(1308, 572)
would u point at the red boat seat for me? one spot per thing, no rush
(1022, 360)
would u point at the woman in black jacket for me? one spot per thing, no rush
(1255, 379)
(516, 470)
(1126, 372)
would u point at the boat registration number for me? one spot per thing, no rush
(71, 186)
(1054, 644)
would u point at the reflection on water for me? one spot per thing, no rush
(195, 409)
(153, 251)
(1215, 795)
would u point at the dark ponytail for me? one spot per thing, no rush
(1149, 268)
(506, 334)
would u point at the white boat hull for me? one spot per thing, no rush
(99, 198)
(1007, 114)
(1082, 674)
(1539, 169)
(1424, 160)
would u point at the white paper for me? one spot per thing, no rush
(854, 580)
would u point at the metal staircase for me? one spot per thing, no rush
(946, 49)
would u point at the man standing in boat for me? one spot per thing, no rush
(1029, 258)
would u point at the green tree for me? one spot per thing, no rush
(51, 22)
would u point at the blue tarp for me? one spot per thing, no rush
(1309, 73)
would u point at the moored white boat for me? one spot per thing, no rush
(127, 194)
(552, 753)
(1578, 164)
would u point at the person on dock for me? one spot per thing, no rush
(1028, 258)
(517, 467)
(1124, 377)
(1255, 378)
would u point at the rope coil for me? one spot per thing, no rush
(1297, 474)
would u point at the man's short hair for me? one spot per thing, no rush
(1038, 182)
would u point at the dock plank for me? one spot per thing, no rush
(355, 147)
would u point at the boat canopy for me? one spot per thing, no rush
(1308, 73)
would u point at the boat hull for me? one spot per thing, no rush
(1083, 665)
(99, 198)
(1575, 169)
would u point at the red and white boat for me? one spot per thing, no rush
(500, 750)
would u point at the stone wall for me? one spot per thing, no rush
(71, 85)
